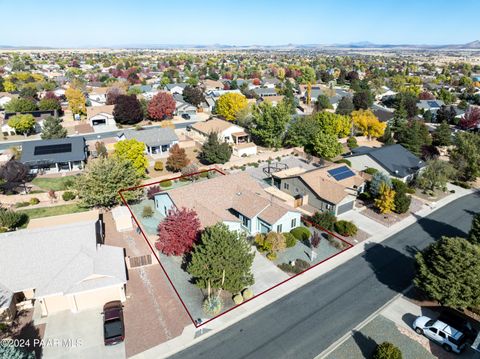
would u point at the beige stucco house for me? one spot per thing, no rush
(60, 268)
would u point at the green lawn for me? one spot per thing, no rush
(52, 211)
(57, 183)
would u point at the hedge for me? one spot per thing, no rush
(346, 228)
(301, 233)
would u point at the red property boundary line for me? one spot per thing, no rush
(197, 325)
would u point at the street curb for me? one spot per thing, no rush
(178, 344)
(367, 320)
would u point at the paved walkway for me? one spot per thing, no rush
(191, 337)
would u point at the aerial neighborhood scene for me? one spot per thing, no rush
(229, 180)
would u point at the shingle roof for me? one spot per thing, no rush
(213, 125)
(396, 159)
(152, 136)
(59, 260)
(77, 151)
(95, 110)
(213, 199)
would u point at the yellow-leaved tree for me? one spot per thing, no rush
(76, 101)
(368, 124)
(229, 104)
(134, 152)
(385, 202)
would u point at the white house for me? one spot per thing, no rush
(60, 268)
(158, 141)
(228, 132)
(101, 117)
(175, 88)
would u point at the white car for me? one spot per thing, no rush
(448, 337)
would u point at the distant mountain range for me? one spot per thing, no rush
(474, 45)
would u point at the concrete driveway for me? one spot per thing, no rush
(78, 335)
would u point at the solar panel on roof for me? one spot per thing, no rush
(51, 149)
(338, 170)
(433, 103)
(341, 173)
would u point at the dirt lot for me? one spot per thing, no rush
(153, 313)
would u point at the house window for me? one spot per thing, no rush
(294, 223)
(279, 228)
(286, 186)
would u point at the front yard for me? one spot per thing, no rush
(52, 211)
(53, 183)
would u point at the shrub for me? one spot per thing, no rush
(315, 240)
(462, 184)
(158, 166)
(365, 196)
(34, 200)
(346, 228)
(68, 195)
(271, 256)
(22, 204)
(166, 184)
(290, 239)
(10, 219)
(247, 294)
(237, 299)
(401, 202)
(343, 160)
(152, 191)
(212, 306)
(204, 174)
(370, 170)
(325, 220)
(387, 350)
(147, 212)
(301, 233)
(410, 190)
(352, 142)
(300, 266)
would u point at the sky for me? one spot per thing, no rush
(89, 23)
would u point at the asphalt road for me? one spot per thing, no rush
(89, 136)
(306, 322)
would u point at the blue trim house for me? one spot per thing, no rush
(236, 200)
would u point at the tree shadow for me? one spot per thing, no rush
(366, 344)
(31, 335)
(438, 229)
(391, 267)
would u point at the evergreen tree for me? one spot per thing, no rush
(449, 272)
(222, 260)
(387, 350)
(387, 137)
(214, 151)
(52, 128)
(413, 135)
(442, 135)
(474, 234)
(345, 106)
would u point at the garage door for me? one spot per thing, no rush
(96, 298)
(345, 207)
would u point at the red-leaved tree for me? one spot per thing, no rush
(162, 106)
(426, 95)
(178, 232)
(471, 118)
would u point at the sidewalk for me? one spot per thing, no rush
(191, 335)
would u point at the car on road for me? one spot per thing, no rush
(186, 116)
(113, 327)
(448, 337)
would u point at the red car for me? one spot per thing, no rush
(113, 328)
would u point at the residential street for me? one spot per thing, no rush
(306, 322)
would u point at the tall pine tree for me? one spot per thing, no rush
(222, 260)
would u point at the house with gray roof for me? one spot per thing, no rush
(60, 268)
(394, 160)
(175, 88)
(158, 141)
(57, 155)
(264, 92)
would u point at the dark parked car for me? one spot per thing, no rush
(186, 116)
(113, 328)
